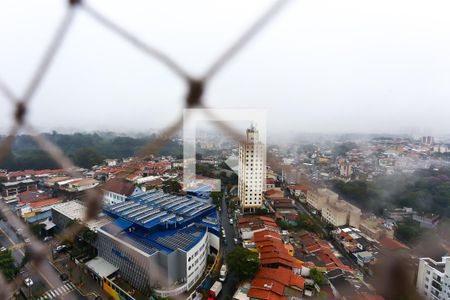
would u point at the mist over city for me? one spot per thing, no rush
(245, 150)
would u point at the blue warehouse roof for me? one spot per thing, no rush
(161, 221)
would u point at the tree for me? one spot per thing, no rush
(37, 229)
(243, 263)
(89, 236)
(26, 258)
(87, 157)
(216, 197)
(7, 265)
(409, 231)
(171, 186)
(317, 276)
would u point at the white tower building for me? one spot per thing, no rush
(433, 280)
(252, 170)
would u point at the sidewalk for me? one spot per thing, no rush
(87, 286)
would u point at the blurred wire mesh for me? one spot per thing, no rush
(40, 253)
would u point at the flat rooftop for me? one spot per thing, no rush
(154, 208)
(155, 221)
(101, 267)
(75, 210)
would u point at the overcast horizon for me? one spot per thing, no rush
(318, 67)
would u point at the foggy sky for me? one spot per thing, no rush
(320, 66)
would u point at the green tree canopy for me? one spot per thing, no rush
(317, 276)
(7, 265)
(87, 157)
(216, 197)
(171, 186)
(243, 263)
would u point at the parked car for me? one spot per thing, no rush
(223, 273)
(48, 238)
(3, 249)
(231, 221)
(236, 241)
(64, 277)
(28, 282)
(61, 248)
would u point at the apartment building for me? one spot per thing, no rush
(433, 280)
(335, 211)
(341, 213)
(13, 188)
(252, 170)
(318, 198)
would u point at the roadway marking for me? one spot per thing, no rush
(12, 242)
(16, 246)
(20, 250)
(60, 291)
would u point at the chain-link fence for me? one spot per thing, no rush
(39, 251)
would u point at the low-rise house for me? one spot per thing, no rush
(52, 182)
(82, 185)
(390, 245)
(15, 187)
(298, 190)
(273, 252)
(276, 284)
(117, 190)
(376, 228)
(427, 220)
(363, 257)
(322, 252)
(274, 193)
(39, 210)
(270, 183)
(249, 225)
(111, 162)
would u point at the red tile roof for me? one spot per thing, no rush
(119, 186)
(35, 172)
(272, 251)
(392, 245)
(297, 187)
(323, 252)
(271, 283)
(270, 181)
(46, 202)
(274, 193)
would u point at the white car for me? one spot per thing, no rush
(231, 221)
(28, 282)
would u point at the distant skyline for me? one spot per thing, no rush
(319, 67)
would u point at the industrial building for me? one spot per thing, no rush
(158, 241)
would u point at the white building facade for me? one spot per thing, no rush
(252, 171)
(433, 280)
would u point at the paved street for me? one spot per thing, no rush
(229, 286)
(41, 282)
(9, 239)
